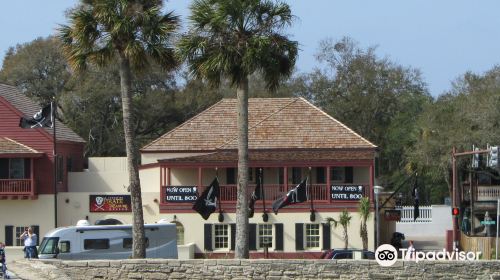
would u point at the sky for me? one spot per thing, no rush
(444, 39)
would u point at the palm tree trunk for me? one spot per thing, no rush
(139, 250)
(346, 238)
(241, 244)
(364, 235)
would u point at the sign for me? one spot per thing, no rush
(392, 215)
(181, 193)
(346, 192)
(110, 203)
(488, 222)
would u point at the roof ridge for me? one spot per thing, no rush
(21, 144)
(334, 119)
(294, 99)
(183, 124)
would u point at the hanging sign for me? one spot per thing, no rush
(181, 194)
(110, 203)
(346, 192)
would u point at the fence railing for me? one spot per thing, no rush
(485, 245)
(488, 193)
(407, 214)
(15, 186)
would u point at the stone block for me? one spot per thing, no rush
(98, 263)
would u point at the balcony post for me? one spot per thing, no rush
(32, 177)
(328, 189)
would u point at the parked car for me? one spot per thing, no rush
(338, 254)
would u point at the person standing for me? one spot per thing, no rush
(30, 240)
(410, 253)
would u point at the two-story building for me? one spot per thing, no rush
(27, 189)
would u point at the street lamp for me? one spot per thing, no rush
(376, 191)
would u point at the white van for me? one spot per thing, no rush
(85, 242)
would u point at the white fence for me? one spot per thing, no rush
(433, 221)
(425, 214)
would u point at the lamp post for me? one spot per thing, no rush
(376, 191)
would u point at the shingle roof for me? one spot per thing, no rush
(9, 146)
(28, 108)
(274, 123)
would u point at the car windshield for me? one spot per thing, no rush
(49, 245)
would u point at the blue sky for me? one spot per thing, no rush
(443, 39)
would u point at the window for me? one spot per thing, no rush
(221, 236)
(337, 174)
(19, 231)
(91, 244)
(250, 174)
(14, 168)
(312, 235)
(69, 164)
(265, 236)
(231, 176)
(127, 243)
(180, 233)
(296, 175)
(64, 247)
(60, 168)
(320, 175)
(281, 172)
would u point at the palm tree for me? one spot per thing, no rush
(133, 33)
(344, 220)
(364, 213)
(232, 39)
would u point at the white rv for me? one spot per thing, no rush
(84, 242)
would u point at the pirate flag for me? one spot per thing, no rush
(206, 204)
(295, 195)
(42, 118)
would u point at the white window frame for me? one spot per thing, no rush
(306, 235)
(259, 236)
(215, 236)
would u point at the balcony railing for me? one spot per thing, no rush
(15, 187)
(320, 192)
(488, 193)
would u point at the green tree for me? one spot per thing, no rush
(232, 39)
(364, 213)
(134, 33)
(37, 68)
(375, 97)
(344, 220)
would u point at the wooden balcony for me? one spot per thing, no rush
(16, 187)
(228, 193)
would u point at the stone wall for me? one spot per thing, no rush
(255, 269)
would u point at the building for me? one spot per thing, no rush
(27, 167)
(289, 139)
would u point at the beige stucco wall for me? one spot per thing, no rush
(74, 206)
(39, 212)
(195, 234)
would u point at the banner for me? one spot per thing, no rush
(110, 203)
(346, 192)
(181, 194)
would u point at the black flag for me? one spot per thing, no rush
(295, 195)
(416, 212)
(206, 204)
(42, 118)
(256, 195)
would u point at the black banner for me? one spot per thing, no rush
(346, 192)
(181, 193)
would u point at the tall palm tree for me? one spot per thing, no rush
(232, 39)
(344, 220)
(364, 213)
(133, 33)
